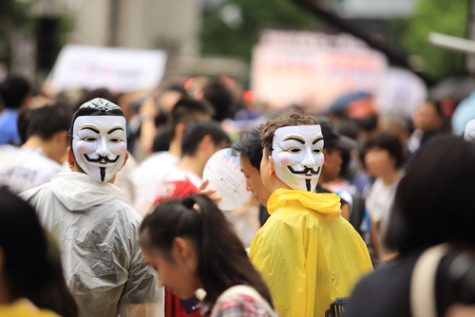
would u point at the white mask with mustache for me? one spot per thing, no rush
(99, 145)
(297, 155)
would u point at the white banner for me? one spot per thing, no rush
(117, 69)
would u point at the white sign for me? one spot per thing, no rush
(313, 69)
(117, 69)
(224, 174)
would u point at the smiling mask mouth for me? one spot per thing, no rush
(307, 171)
(101, 159)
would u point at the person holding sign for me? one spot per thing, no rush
(308, 254)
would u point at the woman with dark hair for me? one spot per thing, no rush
(434, 204)
(30, 273)
(383, 158)
(191, 246)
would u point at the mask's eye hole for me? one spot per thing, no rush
(114, 140)
(317, 151)
(91, 139)
(295, 150)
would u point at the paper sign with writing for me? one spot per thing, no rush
(224, 173)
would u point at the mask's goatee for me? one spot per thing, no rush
(103, 173)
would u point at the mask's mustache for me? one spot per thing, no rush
(99, 159)
(306, 170)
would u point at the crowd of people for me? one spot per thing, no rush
(104, 210)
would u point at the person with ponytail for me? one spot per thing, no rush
(190, 245)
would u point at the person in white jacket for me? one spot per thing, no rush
(97, 231)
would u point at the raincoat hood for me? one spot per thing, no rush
(78, 191)
(325, 204)
(307, 253)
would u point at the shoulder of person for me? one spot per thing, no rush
(36, 192)
(241, 300)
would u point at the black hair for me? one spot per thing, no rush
(28, 270)
(162, 139)
(22, 123)
(196, 131)
(14, 90)
(249, 144)
(187, 110)
(386, 141)
(435, 199)
(222, 260)
(348, 128)
(24, 247)
(220, 98)
(46, 121)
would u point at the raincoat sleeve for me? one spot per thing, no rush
(142, 295)
(278, 253)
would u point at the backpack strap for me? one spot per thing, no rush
(422, 291)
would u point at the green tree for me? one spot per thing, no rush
(442, 16)
(219, 39)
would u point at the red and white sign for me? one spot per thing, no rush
(313, 69)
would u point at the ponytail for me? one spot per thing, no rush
(222, 260)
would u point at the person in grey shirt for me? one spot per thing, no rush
(97, 231)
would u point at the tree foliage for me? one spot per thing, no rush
(219, 39)
(442, 16)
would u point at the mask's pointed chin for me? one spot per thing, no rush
(102, 174)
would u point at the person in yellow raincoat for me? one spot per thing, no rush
(308, 254)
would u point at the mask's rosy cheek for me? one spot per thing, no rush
(81, 147)
(122, 147)
(285, 159)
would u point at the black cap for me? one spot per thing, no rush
(333, 139)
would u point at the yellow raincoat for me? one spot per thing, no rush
(307, 253)
(24, 308)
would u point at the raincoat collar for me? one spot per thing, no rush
(78, 191)
(325, 204)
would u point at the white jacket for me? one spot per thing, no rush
(98, 237)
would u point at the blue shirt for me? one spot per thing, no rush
(8, 126)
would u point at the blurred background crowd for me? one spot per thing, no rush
(384, 78)
(367, 68)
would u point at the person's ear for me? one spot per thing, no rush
(393, 161)
(179, 129)
(71, 160)
(181, 249)
(271, 166)
(206, 143)
(126, 159)
(62, 137)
